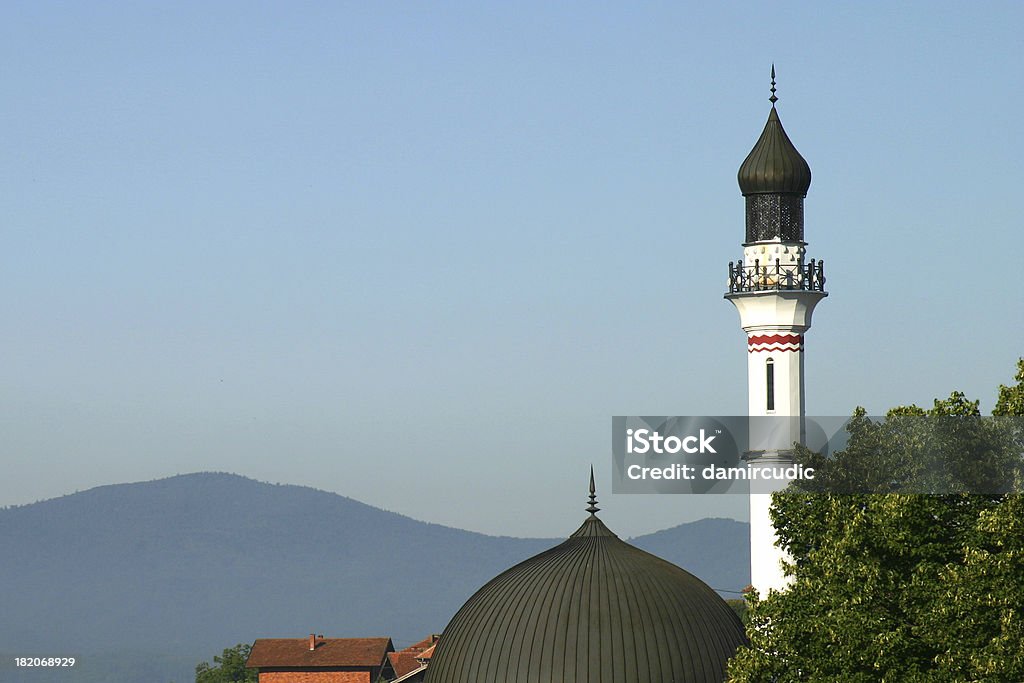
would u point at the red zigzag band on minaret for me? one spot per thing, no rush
(775, 342)
(776, 339)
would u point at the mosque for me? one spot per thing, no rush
(595, 609)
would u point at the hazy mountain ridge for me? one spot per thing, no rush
(198, 562)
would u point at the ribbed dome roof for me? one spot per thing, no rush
(594, 610)
(774, 166)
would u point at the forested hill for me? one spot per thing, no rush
(169, 572)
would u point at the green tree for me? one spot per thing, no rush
(1011, 399)
(739, 606)
(228, 667)
(893, 586)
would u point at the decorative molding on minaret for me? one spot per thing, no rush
(774, 342)
(775, 291)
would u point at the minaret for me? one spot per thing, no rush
(775, 290)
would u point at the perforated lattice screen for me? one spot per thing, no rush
(775, 215)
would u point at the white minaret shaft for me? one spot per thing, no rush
(775, 291)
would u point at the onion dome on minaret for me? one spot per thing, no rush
(774, 166)
(774, 178)
(593, 609)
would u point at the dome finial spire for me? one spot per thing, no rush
(773, 99)
(592, 508)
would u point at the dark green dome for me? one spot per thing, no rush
(774, 166)
(593, 609)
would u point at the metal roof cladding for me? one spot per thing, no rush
(593, 609)
(774, 166)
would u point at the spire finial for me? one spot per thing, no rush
(592, 508)
(773, 99)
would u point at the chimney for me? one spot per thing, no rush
(312, 641)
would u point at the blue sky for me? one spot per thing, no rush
(420, 253)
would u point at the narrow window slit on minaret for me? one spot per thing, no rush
(770, 383)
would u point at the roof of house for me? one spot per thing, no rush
(423, 644)
(406, 660)
(403, 662)
(295, 652)
(412, 674)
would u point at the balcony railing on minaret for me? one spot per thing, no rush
(808, 277)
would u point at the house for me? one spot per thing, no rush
(322, 660)
(410, 664)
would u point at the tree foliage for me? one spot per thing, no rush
(894, 586)
(228, 667)
(1011, 399)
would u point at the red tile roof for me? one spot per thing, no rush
(295, 652)
(406, 660)
(403, 662)
(428, 653)
(422, 645)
